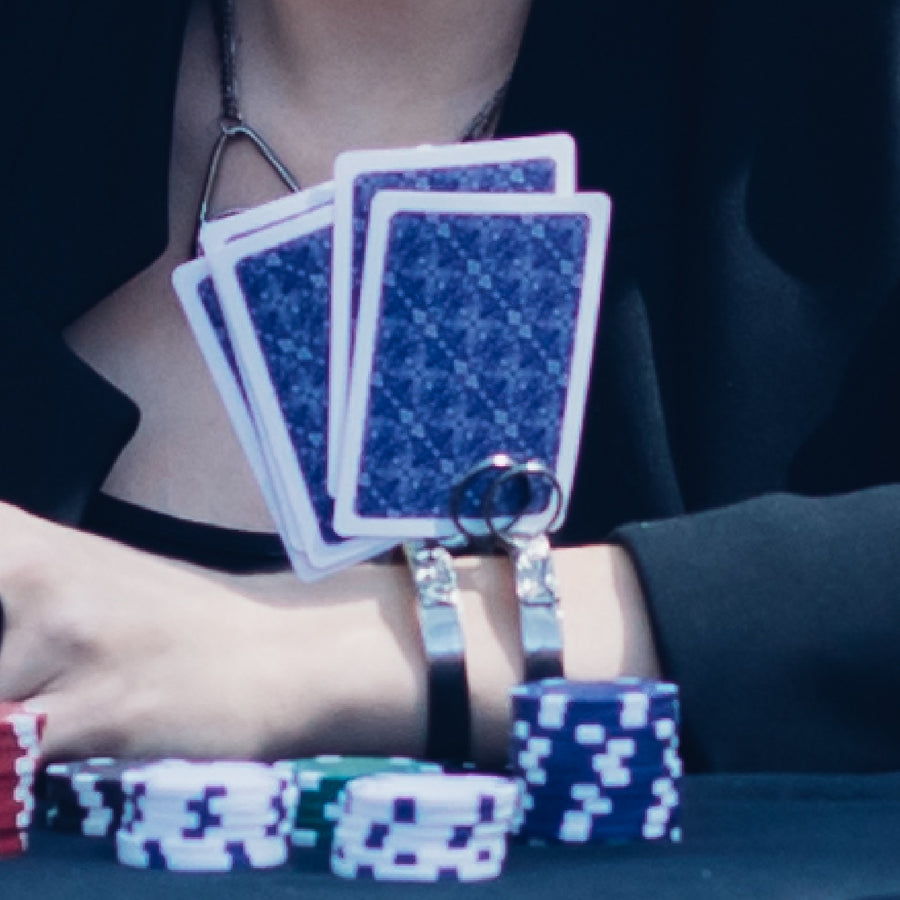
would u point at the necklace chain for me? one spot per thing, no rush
(232, 125)
(478, 127)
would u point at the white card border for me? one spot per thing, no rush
(216, 233)
(597, 207)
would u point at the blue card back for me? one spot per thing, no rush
(515, 176)
(471, 354)
(287, 291)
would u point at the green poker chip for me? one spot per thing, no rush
(319, 773)
(322, 779)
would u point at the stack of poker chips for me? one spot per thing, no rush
(206, 816)
(85, 796)
(322, 779)
(424, 828)
(20, 747)
(599, 760)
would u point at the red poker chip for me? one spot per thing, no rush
(10, 737)
(23, 761)
(13, 844)
(16, 745)
(13, 819)
(10, 808)
(12, 789)
(10, 732)
(16, 787)
(11, 776)
(15, 823)
(16, 818)
(15, 792)
(22, 729)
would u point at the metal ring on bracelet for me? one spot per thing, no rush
(499, 462)
(528, 470)
(534, 576)
(437, 602)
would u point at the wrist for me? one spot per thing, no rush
(606, 627)
(347, 667)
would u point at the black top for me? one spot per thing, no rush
(742, 413)
(228, 549)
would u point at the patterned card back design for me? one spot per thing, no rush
(287, 291)
(518, 176)
(206, 291)
(472, 352)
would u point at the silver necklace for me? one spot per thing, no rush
(232, 126)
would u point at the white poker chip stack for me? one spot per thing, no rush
(206, 816)
(424, 827)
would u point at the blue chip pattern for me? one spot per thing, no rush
(599, 760)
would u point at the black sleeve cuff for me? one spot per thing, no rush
(780, 619)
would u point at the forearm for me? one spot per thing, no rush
(369, 653)
(132, 655)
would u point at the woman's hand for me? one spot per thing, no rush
(128, 654)
(131, 655)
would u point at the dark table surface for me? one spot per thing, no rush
(762, 837)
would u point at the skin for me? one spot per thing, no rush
(130, 654)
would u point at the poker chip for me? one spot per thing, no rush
(181, 778)
(424, 827)
(361, 871)
(21, 731)
(204, 855)
(206, 816)
(598, 761)
(86, 795)
(322, 779)
(430, 799)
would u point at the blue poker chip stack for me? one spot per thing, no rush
(206, 816)
(599, 761)
(424, 827)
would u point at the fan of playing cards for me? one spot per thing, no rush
(376, 338)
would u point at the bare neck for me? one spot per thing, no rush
(368, 59)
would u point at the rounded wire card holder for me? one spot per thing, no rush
(437, 595)
(529, 552)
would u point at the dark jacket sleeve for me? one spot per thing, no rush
(779, 617)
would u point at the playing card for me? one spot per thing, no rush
(217, 232)
(526, 165)
(274, 287)
(197, 293)
(475, 334)
(195, 288)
